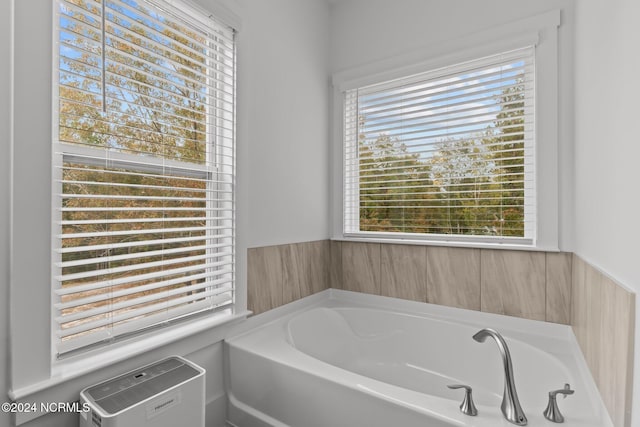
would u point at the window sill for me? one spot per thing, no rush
(89, 364)
(447, 243)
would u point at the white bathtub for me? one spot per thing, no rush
(346, 359)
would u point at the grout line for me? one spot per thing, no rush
(571, 291)
(480, 278)
(426, 272)
(546, 287)
(379, 268)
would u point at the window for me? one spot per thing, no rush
(143, 168)
(446, 154)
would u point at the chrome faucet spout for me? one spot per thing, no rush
(511, 408)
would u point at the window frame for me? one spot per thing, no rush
(210, 171)
(198, 17)
(34, 373)
(540, 31)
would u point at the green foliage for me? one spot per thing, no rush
(148, 97)
(466, 186)
(152, 98)
(390, 187)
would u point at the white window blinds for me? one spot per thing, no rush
(144, 167)
(446, 154)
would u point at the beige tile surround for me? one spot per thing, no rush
(554, 287)
(603, 319)
(277, 275)
(515, 283)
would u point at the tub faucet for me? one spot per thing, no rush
(511, 408)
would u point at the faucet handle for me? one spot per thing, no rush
(552, 413)
(564, 391)
(467, 406)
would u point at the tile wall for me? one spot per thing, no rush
(553, 287)
(277, 275)
(532, 285)
(603, 319)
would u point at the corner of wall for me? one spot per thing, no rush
(277, 275)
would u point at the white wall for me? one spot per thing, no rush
(607, 158)
(368, 31)
(5, 176)
(284, 79)
(282, 172)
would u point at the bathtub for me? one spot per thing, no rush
(346, 359)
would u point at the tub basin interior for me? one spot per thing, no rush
(367, 360)
(424, 355)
